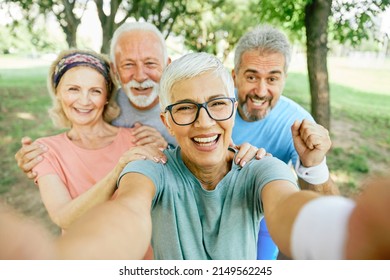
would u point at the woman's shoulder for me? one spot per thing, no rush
(56, 140)
(268, 162)
(126, 134)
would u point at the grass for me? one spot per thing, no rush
(360, 126)
(360, 120)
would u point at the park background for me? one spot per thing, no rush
(357, 62)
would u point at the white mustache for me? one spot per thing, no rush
(143, 85)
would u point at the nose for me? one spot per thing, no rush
(84, 97)
(203, 119)
(262, 88)
(140, 74)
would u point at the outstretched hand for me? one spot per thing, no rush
(369, 224)
(311, 142)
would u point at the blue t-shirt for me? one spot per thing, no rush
(273, 133)
(190, 222)
(130, 115)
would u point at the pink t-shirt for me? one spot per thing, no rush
(79, 168)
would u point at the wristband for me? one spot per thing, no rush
(320, 229)
(314, 175)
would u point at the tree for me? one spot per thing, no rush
(341, 20)
(67, 12)
(162, 13)
(216, 26)
(27, 36)
(317, 13)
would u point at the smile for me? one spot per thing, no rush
(84, 111)
(258, 102)
(206, 141)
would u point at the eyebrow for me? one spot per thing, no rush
(255, 71)
(209, 98)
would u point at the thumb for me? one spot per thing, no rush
(295, 128)
(26, 140)
(137, 124)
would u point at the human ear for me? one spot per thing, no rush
(165, 121)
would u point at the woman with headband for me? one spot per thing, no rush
(82, 164)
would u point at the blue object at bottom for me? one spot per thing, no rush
(266, 248)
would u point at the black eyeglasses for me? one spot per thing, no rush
(186, 112)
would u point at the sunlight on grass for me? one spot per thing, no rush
(361, 74)
(25, 116)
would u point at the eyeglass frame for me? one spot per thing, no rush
(200, 105)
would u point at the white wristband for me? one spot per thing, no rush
(314, 175)
(320, 229)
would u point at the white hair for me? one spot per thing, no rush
(189, 66)
(132, 26)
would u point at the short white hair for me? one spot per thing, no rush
(189, 66)
(132, 26)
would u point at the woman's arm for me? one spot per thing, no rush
(282, 202)
(117, 229)
(64, 210)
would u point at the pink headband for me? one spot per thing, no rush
(81, 59)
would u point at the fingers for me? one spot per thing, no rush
(295, 128)
(311, 134)
(314, 134)
(247, 152)
(311, 142)
(29, 155)
(146, 135)
(261, 153)
(26, 141)
(150, 152)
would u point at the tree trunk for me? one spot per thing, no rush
(107, 22)
(69, 22)
(316, 23)
(71, 35)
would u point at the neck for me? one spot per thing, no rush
(92, 136)
(210, 176)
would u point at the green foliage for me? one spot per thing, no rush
(349, 23)
(289, 15)
(215, 27)
(26, 37)
(351, 20)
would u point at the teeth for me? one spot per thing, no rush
(206, 140)
(258, 101)
(83, 110)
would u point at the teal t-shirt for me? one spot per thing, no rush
(190, 222)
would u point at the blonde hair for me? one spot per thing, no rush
(56, 112)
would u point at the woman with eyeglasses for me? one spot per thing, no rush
(201, 204)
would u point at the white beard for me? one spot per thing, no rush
(141, 101)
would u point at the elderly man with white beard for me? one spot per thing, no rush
(139, 55)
